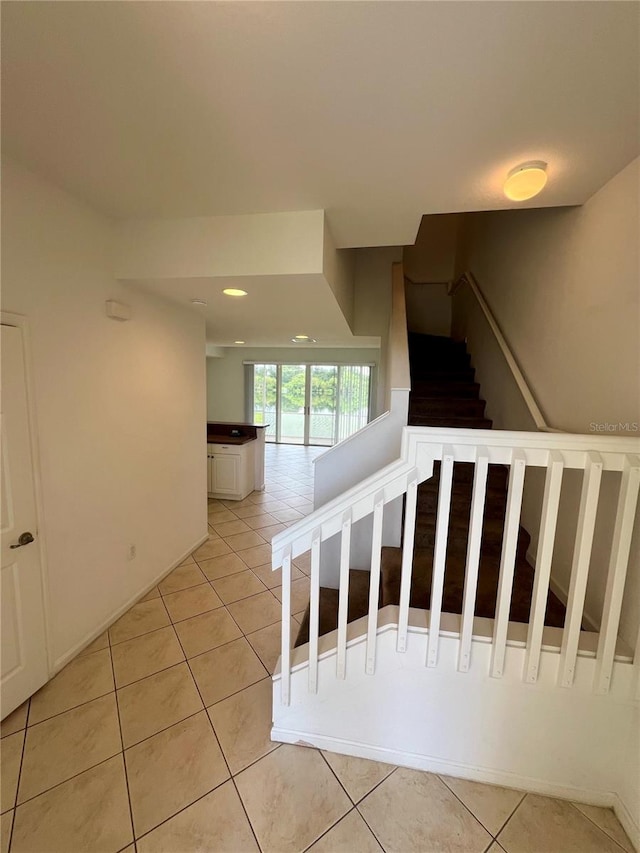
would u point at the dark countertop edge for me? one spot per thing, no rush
(230, 439)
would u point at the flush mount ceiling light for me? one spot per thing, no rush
(303, 339)
(233, 291)
(526, 180)
(198, 301)
(239, 342)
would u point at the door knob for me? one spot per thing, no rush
(24, 539)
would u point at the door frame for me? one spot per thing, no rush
(20, 321)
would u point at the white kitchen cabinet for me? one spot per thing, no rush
(230, 471)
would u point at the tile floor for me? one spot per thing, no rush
(156, 737)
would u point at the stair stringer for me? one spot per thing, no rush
(566, 743)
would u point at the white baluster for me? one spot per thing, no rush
(620, 547)
(407, 558)
(580, 567)
(285, 659)
(473, 556)
(314, 610)
(343, 599)
(508, 561)
(374, 582)
(440, 552)
(548, 522)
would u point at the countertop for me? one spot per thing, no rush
(229, 439)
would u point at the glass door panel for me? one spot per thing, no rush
(265, 396)
(353, 398)
(323, 404)
(292, 408)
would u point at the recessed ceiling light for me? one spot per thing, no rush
(199, 301)
(239, 342)
(233, 291)
(526, 180)
(303, 339)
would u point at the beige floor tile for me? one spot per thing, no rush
(295, 784)
(230, 528)
(223, 566)
(491, 804)
(212, 534)
(358, 776)
(187, 560)
(257, 556)
(88, 813)
(248, 511)
(243, 541)
(10, 769)
(267, 643)
(211, 548)
(411, 812)
(225, 670)
(172, 769)
(350, 835)
(303, 562)
(101, 642)
(234, 504)
(495, 848)
(288, 514)
(235, 587)
(157, 702)
(154, 592)
(83, 679)
(143, 617)
(16, 721)
(190, 602)
(68, 744)
(217, 822)
(142, 656)
(554, 826)
(6, 822)
(272, 579)
(258, 522)
(207, 631)
(269, 532)
(181, 578)
(219, 515)
(299, 594)
(243, 725)
(300, 503)
(608, 822)
(256, 612)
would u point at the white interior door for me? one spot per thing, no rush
(24, 666)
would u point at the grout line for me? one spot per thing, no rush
(124, 760)
(582, 814)
(523, 798)
(472, 813)
(15, 799)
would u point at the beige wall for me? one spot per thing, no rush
(225, 376)
(120, 410)
(432, 256)
(564, 287)
(428, 309)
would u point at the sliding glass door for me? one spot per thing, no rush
(317, 404)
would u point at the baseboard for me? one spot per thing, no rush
(560, 592)
(64, 659)
(629, 824)
(449, 768)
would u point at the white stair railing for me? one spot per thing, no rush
(421, 449)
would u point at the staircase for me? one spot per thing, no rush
(444, 394)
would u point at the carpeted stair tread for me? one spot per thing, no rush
(462, 423)
(328, 617)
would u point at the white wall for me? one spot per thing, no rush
(564, 287)
(225, 376)
(258, 244)
(372, 306)
(120, 410)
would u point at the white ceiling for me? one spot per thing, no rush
(377, 112)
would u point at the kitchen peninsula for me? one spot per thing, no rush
(235, 459)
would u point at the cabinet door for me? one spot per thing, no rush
(225, 474)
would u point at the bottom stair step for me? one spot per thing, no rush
(328, 621)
